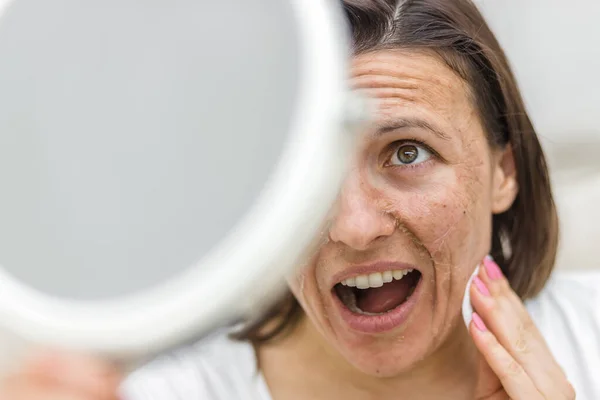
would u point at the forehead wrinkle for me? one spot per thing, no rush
(413, 81)
(396, 59)
(404, 72)
(388, 83)
(380, 78)
(384, 80)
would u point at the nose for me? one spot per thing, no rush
(359, 222)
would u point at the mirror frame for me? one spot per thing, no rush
(267, 242)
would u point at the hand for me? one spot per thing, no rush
(61, 377)
(516, 355)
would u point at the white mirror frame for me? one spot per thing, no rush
(269, 235)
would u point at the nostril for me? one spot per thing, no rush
(380, 238)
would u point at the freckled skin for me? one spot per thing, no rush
(435, 215)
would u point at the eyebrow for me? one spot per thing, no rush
(402, 123)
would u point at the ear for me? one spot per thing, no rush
(504, 180)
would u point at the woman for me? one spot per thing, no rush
(451, 171)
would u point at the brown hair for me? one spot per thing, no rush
(525, 237)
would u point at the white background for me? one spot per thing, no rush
(554, 48)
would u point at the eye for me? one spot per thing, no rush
(410, 154)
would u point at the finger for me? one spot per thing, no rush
(506, 316)
(20, 387)
(90, 377)
(515, 381)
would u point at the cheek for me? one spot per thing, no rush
(450, 219)
(454, 224)
(297, 283)
(304, 287)
(437, 218)
(302, 281)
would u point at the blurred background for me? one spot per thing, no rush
(554, 49)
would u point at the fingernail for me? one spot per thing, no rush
(479, 322)
(492, 269)
(481, 286)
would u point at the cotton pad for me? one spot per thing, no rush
(467, 308)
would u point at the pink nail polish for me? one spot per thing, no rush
(481, 286)
(492, 269)
(479, 322)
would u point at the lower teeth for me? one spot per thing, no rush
(359, 311)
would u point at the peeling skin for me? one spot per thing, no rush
(435, 215)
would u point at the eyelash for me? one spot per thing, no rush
(395, 146)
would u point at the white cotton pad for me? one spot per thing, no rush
(467, 308)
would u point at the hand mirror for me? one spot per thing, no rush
(163, 163)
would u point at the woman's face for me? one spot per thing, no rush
(420, 196)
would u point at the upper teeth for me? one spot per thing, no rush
(376, 279)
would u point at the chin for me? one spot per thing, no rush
(386, 359)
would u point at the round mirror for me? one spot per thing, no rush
(162, 164)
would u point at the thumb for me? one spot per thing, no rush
(88, 376)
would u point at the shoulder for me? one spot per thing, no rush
(567, 312)
(215, 368)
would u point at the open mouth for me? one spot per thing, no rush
(377, 293)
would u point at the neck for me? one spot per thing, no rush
(315, 370)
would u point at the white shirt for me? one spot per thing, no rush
(567, 312)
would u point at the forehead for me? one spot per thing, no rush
(415, 83)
